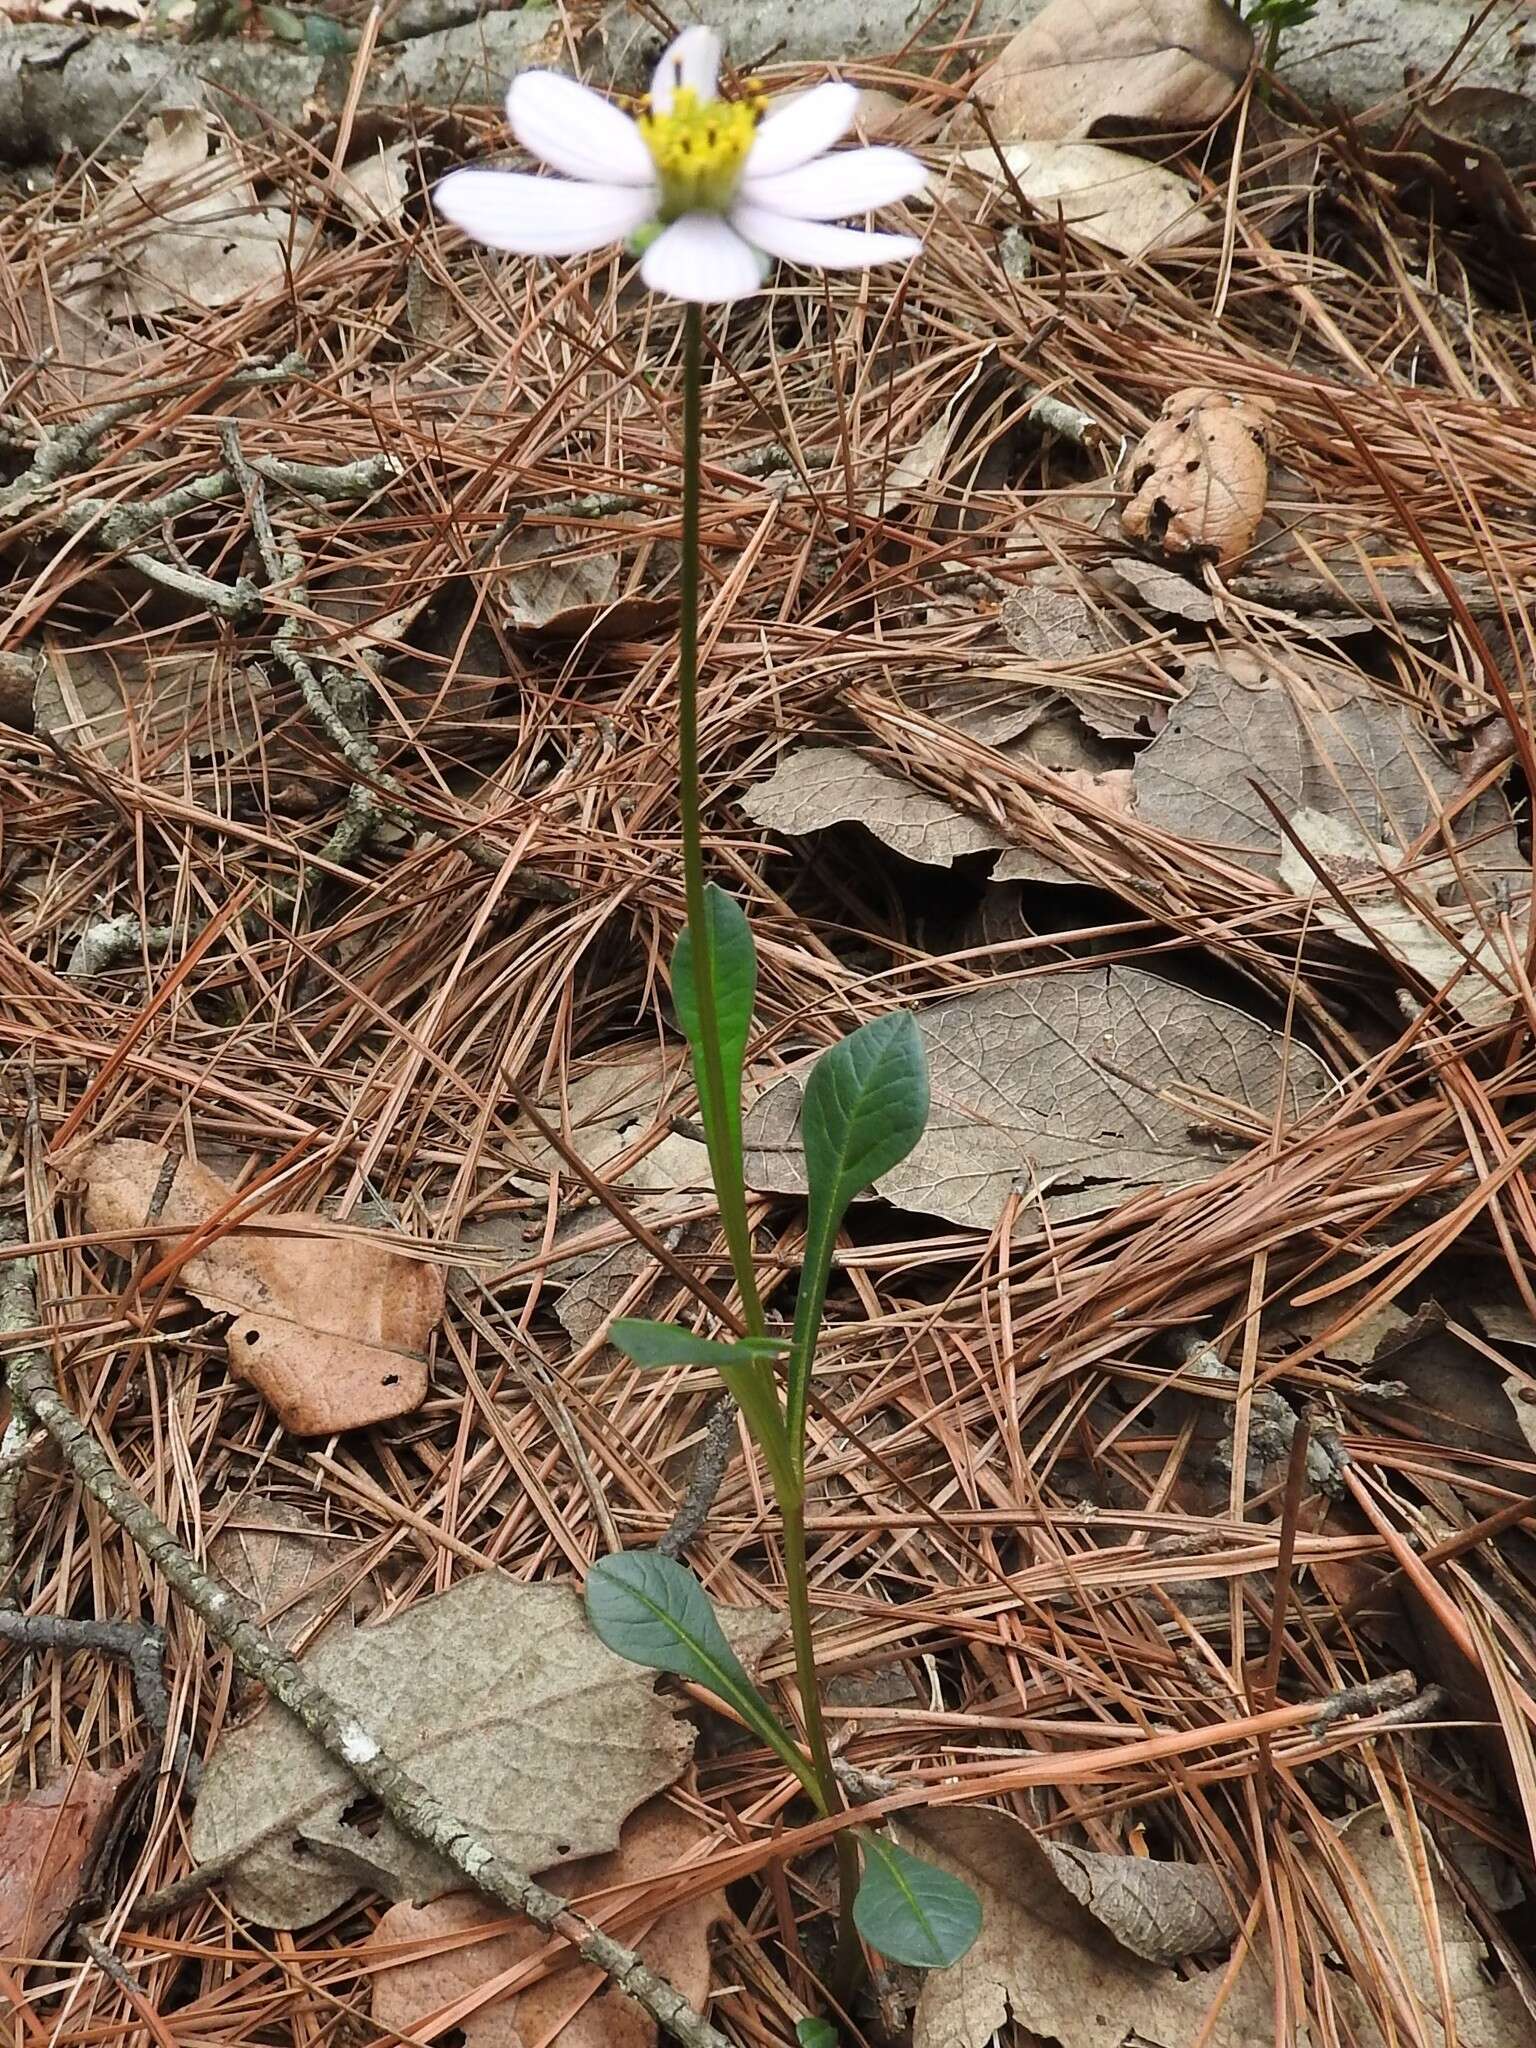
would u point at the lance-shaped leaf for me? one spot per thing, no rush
(647, 1343)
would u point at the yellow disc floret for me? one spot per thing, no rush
(699, 147)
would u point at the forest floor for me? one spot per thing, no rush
(1174, 1456)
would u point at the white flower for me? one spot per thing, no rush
(709, 189)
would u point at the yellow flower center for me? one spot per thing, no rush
(698, 149)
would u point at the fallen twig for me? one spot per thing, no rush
(339, 1733)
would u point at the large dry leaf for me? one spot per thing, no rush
(186, 229)
(281, 1562)
(153, 712)
(1364, 760)
(813, 788)
(1487, 2014)
(572, 2007)
(1108, 197)
(1417, 916)
(1173, 63)
(331, 1329)
(1045, 1960)
(1077, 1087)
(46, 1844)
(498, 1697)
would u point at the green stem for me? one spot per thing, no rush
(848, 1963)
(726, 1169)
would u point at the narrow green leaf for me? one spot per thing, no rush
(648, 1343)
(864, 1109)
(912, 1911)
(326, 38)
(652, 1610)
(283, 22)
(816, 2034)
(733, 959)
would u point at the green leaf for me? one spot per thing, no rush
(326, 38)
(816, 2034)
(647, 1343)
(865, 1106)
(287, 26)
(912, 1911)
(733, 963)
(864, 1109)
(652, 1610)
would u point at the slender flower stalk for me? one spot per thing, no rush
(708, 191)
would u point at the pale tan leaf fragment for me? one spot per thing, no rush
(281, 1562)
(1170, 63)
(1418, 915)
(331, 1329)
(498, 1697)
(1162, 590)
(813, 788)
(573, 2007)
(186, 229)
(1199, 476)
(1044, 1960)
(1487, 2014)
(551, 591)
(1119, 201)
(607, 1109)
(47, 1841)
(1076, 1087)
(156, 712)
(373, 189)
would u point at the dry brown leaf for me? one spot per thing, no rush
(1047, 624)
(1486, 2014)
(282, 1564)
(1199, 477)
(1418, 916)
(1160, 589)
(47, 1841)
(497, 1697)
(551, 592)
(156, 712)
(185, 229)
(331, 1330)
(572, 2008)
(1045, 1960)
(1075, 1087)
(1160, 1911)
(813, 788)
(373, 189)
(1104, 195)
(615, 1104)
(1364, 760)
(1172, 63)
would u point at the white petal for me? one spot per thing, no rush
(541, 216)
(832, 187)
(700, 258)
(691, 59)
(810, 124)
(819, 247)
(568, 127)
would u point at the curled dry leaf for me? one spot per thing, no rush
(1074, 1088)
(574, 2006)
(552, 592)
(1159, 1911)
(331, 1329)
(1104, 195)
(1055, 1966)
(1200, 476)
(1169, 63)
(497, 1697)
(47, 1841)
